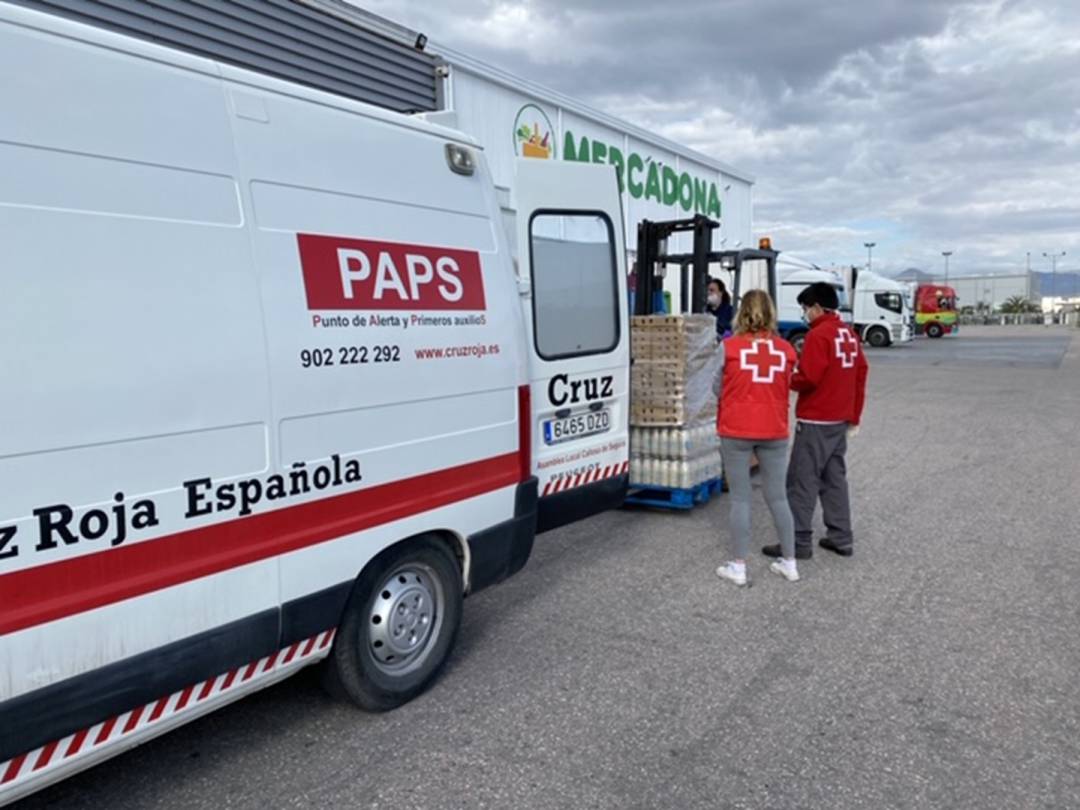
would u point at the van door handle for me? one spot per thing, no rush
(562, 413)
(596, 406)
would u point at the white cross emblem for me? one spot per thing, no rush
(847, 348)
(762, 365)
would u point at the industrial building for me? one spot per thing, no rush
(990, 290)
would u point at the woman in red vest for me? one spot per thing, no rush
(752, 419)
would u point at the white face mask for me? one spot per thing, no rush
(714, 300)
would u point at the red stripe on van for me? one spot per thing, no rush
(77, 743)
(159, 709)
(13, 769)
(525, 431)
(133, 720)
(208, 687)
(46, 755)
(106, 730)
(185, 696)
(228, 682)
(55, 590)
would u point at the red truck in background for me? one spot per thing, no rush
(935, 310)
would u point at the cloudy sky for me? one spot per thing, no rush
(921, 125)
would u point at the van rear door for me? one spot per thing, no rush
(572, 276)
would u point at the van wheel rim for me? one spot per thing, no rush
(404, 619)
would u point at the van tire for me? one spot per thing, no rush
(934, 330)
(371, 663)
(797, 339)
(878, 337)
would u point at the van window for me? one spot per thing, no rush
(575, 288)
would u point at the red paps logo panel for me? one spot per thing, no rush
(343, 273)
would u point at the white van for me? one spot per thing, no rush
(276, 391)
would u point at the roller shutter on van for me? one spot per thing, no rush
(288, 39)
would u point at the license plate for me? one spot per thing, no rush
(574, 427)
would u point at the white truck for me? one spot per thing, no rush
(881, 311)
(279, 391)
(792, 281)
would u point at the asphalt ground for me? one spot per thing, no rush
(936, 668)
(1016, 347)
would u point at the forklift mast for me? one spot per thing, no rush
(653, 259)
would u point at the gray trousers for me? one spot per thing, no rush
(772, 458)
(817, 470)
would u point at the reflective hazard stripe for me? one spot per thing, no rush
(91, 739)
(561, 483)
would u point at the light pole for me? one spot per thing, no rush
(869, 255)
(946, 254)
(1053, 257)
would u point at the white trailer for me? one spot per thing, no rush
(658, 178)
(792, 281)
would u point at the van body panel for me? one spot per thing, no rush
(260, 334)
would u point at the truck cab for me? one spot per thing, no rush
(935, 310)
(881, 311)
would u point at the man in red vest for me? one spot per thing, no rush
(831, 382)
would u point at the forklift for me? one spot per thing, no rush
(748, 268)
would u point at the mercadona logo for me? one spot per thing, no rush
(534, 137)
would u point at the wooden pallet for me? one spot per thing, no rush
(674, 498)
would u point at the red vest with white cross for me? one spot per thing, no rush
(832, 372)
(756, 380)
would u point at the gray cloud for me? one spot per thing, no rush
(919, 124)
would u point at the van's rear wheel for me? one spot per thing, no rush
(399, 626)
(878, 337)
(934, 330)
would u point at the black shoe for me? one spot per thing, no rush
(829, 545)
(800, 553)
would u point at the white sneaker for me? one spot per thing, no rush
(785, 568)
(732, 573)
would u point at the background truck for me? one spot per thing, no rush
(792, 281)
(881, 310)
(935, 310)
